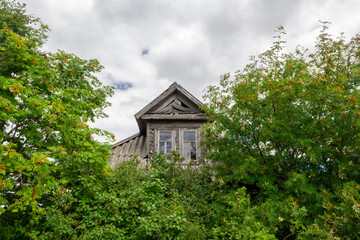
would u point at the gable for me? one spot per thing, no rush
(173, 103)
(175, 107)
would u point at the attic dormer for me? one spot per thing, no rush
(169, 122)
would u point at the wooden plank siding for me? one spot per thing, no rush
(174, 110)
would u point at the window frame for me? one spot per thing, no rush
(157, 142)
(182, 143)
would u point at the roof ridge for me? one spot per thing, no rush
(127, 139)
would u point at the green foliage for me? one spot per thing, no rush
(164, 201)
(287, 125)
(283, 137)
(46, 100)
(129, 203)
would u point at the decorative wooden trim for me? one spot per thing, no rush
(174, 117)
(165, 99)
(173, 87)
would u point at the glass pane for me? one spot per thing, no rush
(165, 136)
(168, 148)
(193, 150)
(161, 147)
(189, 135)
(187, 150)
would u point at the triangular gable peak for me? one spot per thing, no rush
(174, 103)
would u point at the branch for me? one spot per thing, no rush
(290, 235)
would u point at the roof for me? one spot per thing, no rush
(126, 149)
(176, 100)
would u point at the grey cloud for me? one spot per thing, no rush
(191, 42)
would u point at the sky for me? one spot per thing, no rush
(147, 45)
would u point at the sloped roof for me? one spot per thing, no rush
(126, 149)
(174, 100)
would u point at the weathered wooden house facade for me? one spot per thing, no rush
(170, 122)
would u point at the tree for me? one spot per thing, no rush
(46, 102)
(287, 127)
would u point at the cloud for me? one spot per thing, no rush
(191, 42)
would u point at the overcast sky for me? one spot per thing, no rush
(147, 45)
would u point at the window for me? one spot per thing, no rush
(165, 142)
(189, 145)
(183, 139)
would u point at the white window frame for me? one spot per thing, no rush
(157, 142)
(181, 143)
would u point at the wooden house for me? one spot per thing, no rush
(169, 122)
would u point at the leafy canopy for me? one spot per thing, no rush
(46, 103)
(283, 136)
(287, 126)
